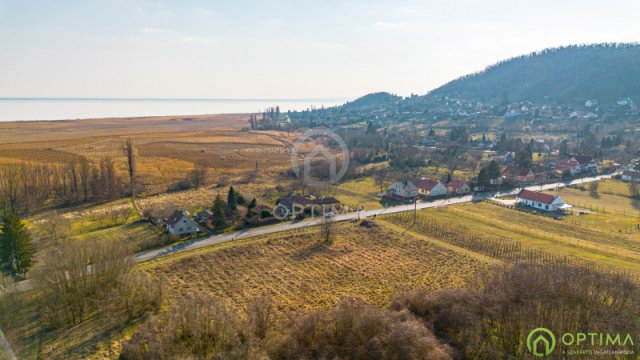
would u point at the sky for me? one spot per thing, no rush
(281, 49)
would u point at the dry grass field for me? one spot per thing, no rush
(295, 268)
(301, 273)
(168, 147)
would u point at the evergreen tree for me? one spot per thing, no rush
(371, 129)
(524, 157)
(483, 178)
(493, 170)
(564, 148)
(219, 220)
(432, 133)
(252, 204)
(16, 249)
(232, 200)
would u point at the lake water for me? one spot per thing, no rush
(16, 109)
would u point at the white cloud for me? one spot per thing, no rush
(327, 45)
(204, 11)
(386, 25)
(196, 40)
(151, 30)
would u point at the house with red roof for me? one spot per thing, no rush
(587, 163)
(541, 201)
(519, 174)
(571, 165)
(458, 187)
(429, 187)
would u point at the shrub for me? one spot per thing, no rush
(81, 278)
(355, 330)
(195, 327)
(493, 322)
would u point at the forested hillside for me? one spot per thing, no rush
(573, 74)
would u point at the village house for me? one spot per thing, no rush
(431, 188)
(541, 146)
(325, 204)
(403, 190)
(541, 201)
(542, 173)
(286, 205)
(496, 181)
(203, 216)
(631, 176)
(179, 223)
(571, 165)
(519, 174)
(587, 163)
(458, 187)
(505, 158)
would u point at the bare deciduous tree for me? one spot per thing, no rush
(9, 190)
(327, 230)
(261, 316)
(84, 171)
(380, 178)
(78, 276)
(108, 177)
(198, 176)
(634, 189)
(131, 154)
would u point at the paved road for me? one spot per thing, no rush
(285, 226)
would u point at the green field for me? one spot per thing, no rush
(361, 192)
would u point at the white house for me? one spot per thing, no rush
(433, 188)
(631, 176)
(179, 223)
(458, 187)
(572, 165)
(587, 163)
(541, 201)
(405, 189)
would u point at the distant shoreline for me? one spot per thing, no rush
(69, 109)
(172, 99)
